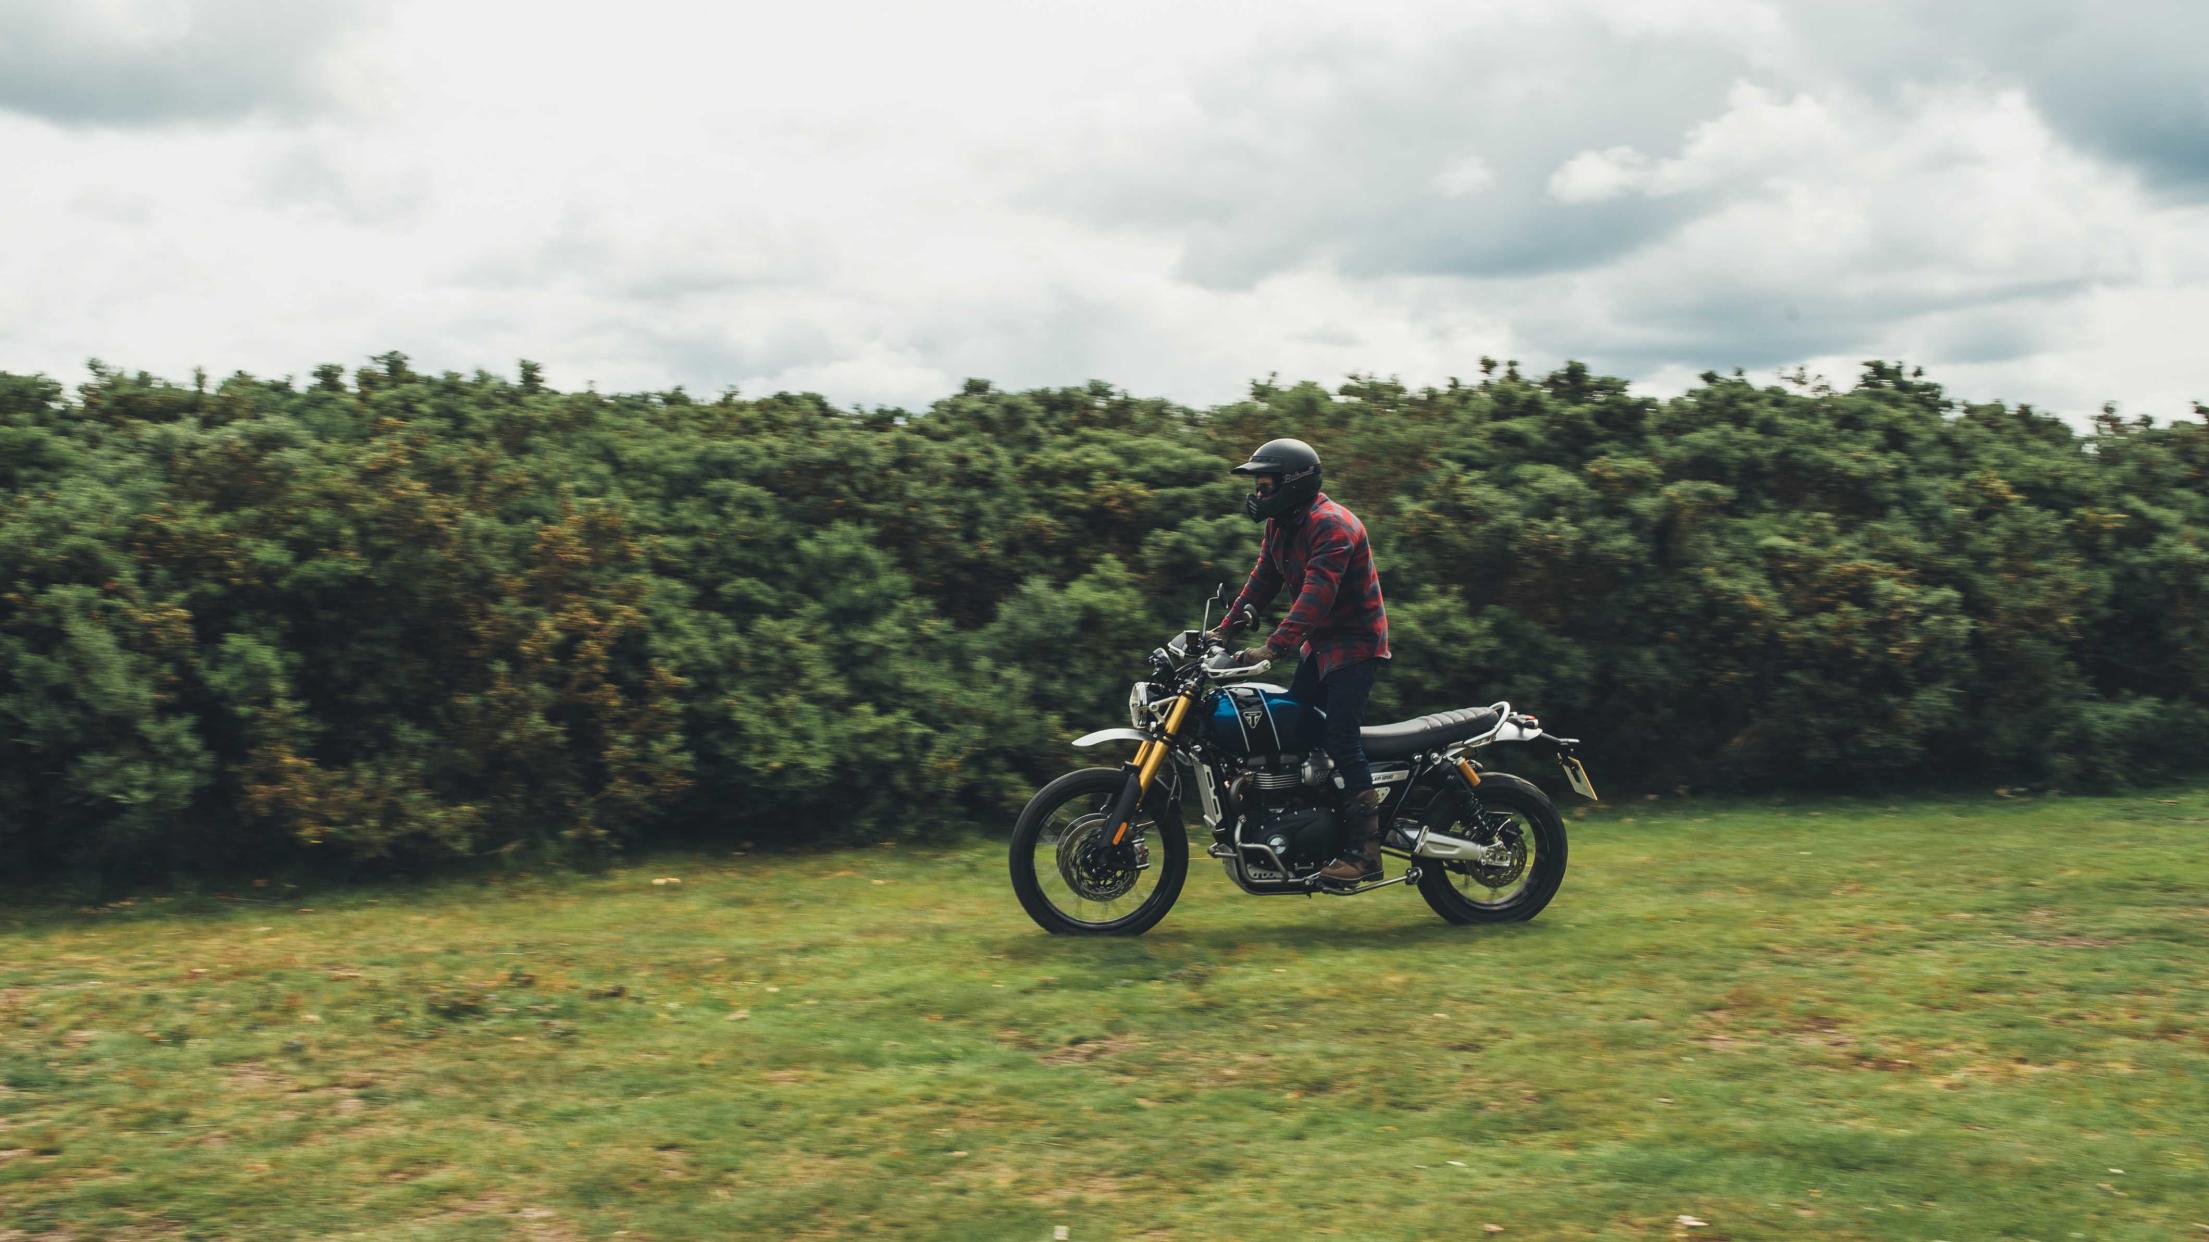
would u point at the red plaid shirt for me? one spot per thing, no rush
(1326, 562)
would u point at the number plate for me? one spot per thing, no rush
(1577, 776)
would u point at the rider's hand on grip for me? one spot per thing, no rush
(1238, 619)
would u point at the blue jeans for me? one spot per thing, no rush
(1341, 694)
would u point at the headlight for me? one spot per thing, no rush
(1139, 696)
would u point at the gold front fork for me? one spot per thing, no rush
(1149, 757)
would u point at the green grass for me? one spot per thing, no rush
(1942, 1019)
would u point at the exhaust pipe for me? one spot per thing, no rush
(1427, 843)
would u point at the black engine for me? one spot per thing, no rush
(1280, 816)
(1306, 836)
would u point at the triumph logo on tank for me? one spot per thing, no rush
(1253, 717)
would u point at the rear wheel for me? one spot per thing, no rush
(1515, 814)
(1069, 876)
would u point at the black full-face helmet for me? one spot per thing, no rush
(1297, 469)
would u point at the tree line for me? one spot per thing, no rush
(395, 618)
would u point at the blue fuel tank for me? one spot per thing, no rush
(1259, 720)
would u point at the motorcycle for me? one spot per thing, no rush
(1104, 852)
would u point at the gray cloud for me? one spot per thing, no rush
(2124, 92)
(670, 262)
(1688, 305)
(1770, 329)
(2005, 333)
(1344, 158)
(1372, 164)
(143, 64)
(1355, 157)
(718, 356)
(2122, 81)
(113, 206)
(307, 175)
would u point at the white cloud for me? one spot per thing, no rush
(1758, 137)
(1598, 176)
(877, 201)
(1954, 227)
(1463, 176)
(171, 62)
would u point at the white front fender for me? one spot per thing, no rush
(1111, 735)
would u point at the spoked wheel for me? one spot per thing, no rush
(1509, 889)
(1070, 877)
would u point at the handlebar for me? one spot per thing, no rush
(1213, 656)
(1217, 664)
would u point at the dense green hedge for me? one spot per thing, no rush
(404, 617)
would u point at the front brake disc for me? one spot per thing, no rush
(1093, 867)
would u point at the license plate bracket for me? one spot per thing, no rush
(1577, 776)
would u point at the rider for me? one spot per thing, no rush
(1337, 624)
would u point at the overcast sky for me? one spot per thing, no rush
(875, 201)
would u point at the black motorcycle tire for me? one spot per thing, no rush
(1101, 784)
(1503, 792)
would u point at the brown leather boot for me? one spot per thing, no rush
(1361, 859)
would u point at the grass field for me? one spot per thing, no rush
(1957, 1019)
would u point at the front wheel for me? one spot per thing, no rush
(1069, 876)
(1516, 814)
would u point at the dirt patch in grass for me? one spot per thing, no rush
(1885, 1065)
(674, 1163)
(254, 1076)
(1083, 1049)
(1820, 1031)
(542, 1223)
(1258, 1063)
